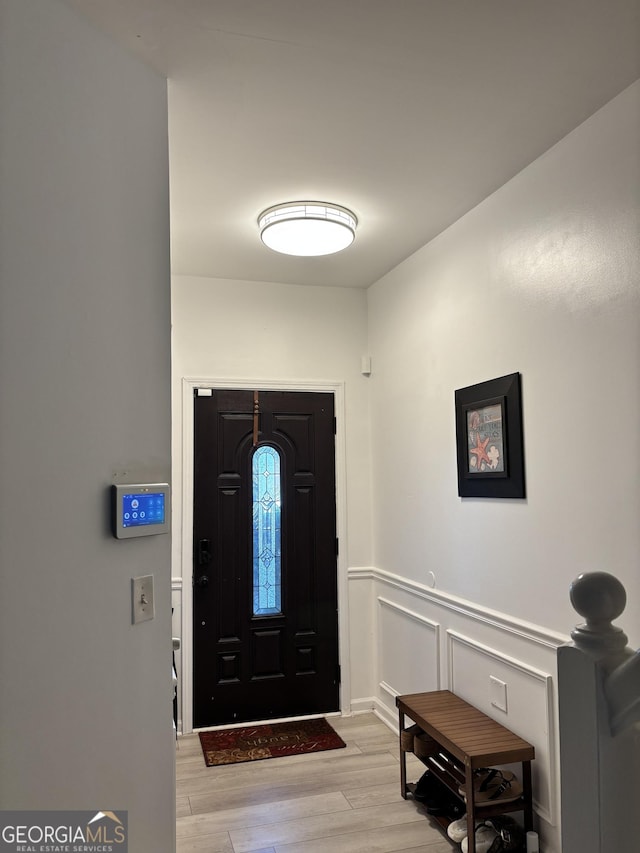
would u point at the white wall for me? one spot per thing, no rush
(542, 278)
(258, 332)
(85, 715)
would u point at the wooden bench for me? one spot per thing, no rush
(468, 740)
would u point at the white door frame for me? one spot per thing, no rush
(189, 384)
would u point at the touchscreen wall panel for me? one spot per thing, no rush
(141, 509)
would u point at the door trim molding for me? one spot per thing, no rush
(189, 384)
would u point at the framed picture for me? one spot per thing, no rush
(489, 439)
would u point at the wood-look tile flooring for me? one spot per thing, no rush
(340, 801)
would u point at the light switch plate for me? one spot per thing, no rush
(142, 599)
(498, 693)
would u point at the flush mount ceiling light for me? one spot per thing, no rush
(307, 228)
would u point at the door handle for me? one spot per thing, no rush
(204, 552)
(203, 581)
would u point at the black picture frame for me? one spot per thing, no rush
(489, 439)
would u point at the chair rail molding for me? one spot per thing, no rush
(493, 618)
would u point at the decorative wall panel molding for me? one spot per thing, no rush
(409, 649)
(424, 639)
(524, 704)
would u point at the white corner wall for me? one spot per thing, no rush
(542, 278)
(253, 331)
(85, 715)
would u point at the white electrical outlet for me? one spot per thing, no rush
(142, 599)
(498, 691)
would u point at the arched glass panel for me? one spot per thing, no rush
(267, 588)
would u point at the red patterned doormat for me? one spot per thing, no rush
(253, 743)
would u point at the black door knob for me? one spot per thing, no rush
(203, 580)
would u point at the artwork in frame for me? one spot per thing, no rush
(489, 439)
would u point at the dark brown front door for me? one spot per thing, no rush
(265, 568)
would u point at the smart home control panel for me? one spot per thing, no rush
(140, 509)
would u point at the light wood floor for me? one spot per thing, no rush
(340, 801)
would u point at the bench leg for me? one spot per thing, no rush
(403, 757)
(527, 795)
(471, 808)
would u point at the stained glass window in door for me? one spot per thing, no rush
(267, 589)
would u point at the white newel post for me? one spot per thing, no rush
(599, 702)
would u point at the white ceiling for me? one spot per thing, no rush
(409, 112)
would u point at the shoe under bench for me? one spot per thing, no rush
(466, 740)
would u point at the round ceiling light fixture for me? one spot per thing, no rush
(307, 228)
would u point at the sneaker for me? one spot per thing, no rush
(457, 829)
(436, 798)
(485, 836)
(511, 833)
(455, 808)
(430, 793)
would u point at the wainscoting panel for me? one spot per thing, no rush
(411, 638)
(409, 650)
(527, 708)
